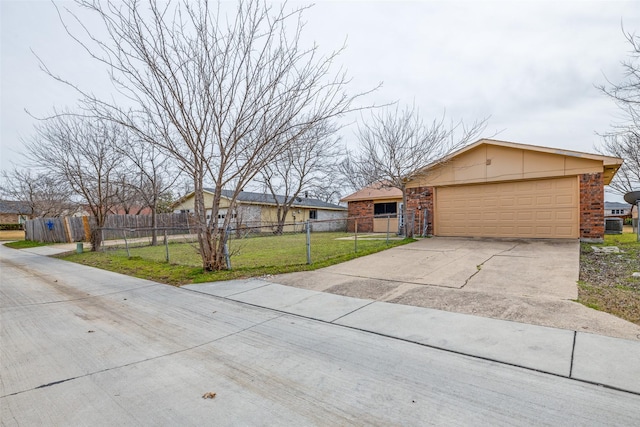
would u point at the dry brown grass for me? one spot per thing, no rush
(605, 279)
(7, 235)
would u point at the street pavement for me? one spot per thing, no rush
(81, 346)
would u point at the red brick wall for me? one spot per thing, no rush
(361, 208)
(591, 206)
(8, 218)
(420, 201)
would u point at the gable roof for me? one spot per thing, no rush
(616, 205)
(268, 199)
(374, 192)
(611, 164)
(248, 197)
(14, 207)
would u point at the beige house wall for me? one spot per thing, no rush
(494, 163)
(251, 213)
(380, 224)
(188, 203)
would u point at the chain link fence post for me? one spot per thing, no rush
(166, 245)
(308, 242)
(227, 258)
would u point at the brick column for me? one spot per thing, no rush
(592, 207)
(420, 201)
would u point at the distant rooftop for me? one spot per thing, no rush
(616, 205)
(268, 199)
(14, 207)
(374, 192)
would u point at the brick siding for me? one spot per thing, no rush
(591, 207)
(420, 201)
(9, 218)
(361, 208)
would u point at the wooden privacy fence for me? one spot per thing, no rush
(59, 230)
(78, 229)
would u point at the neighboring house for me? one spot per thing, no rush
(131, 210)
(376, 207)
(14, 212)
(503, 189)
(617, 210)
(258, 211)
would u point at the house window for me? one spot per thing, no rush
(385, 209)
(313, 214)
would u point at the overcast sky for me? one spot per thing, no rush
(530, 65)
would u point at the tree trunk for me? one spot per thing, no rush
(405, 216)
(154, 224)
(282, 216)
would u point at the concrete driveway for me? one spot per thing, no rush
(529, 281)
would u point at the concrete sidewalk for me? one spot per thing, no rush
(582, 356)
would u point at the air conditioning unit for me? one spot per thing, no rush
(612, 226)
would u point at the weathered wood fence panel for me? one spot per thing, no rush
(46, 230)
(78, 229)
(175, 223)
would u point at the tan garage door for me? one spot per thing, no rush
(547, 208)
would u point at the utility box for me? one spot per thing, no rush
(613, 226)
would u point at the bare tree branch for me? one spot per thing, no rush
(80, 152)
(303, 168)
(223, 96)
(396, 146)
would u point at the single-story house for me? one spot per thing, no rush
(617, 210)
(14, 212)
(258, 211)
(376, 208)
(503, 189)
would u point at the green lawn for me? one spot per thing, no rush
(23, 244)
(254, 256)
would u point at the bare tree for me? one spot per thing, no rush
(626, 93)
(624, 138)
(80, 151)
(397, 145)
(222, 95)
(154, 174)
(302, 169)
(45, 194)
(127, 193)
(627, 147)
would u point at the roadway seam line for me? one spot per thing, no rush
(143, 360)
(351, 312)
(573, 352)
(487, 359)
(81, 299)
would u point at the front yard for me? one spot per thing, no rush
(254, 256)
(605, 281)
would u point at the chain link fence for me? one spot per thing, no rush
(256, 245)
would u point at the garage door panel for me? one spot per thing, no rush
(544, 216)
(531, 209)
